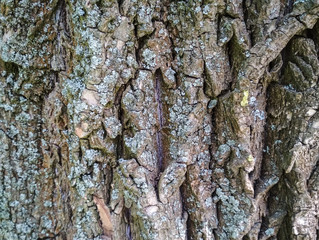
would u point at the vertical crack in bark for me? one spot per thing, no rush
(189, 224)
(288, 7)
(118, 104)
(218, 216)
(127, 213)
(119, 139)
(120, 3)
(64, 18)
(159, 133)
(313, 172)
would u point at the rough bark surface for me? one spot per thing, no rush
(149, 119)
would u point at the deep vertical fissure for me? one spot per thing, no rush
(159, 133)
(120, 141)
(128, 217)
(120, 3)
(118, 103)
(185, 206)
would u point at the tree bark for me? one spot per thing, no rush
(148, 119)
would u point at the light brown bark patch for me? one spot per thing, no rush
(82, 130)
(90, 97)
(105, 216)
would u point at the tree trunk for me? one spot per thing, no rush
(149, 119)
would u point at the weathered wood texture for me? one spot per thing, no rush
(149, 119)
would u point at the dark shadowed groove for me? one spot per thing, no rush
(182, 201)
(108, 176)
(119, 138)
(313, 173)
(120, 3)
(118, 104)
(289, 6)
(189, 223)
(128, 229)
(64, 17)
(159, 133)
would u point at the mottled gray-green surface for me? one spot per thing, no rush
(149, 119)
